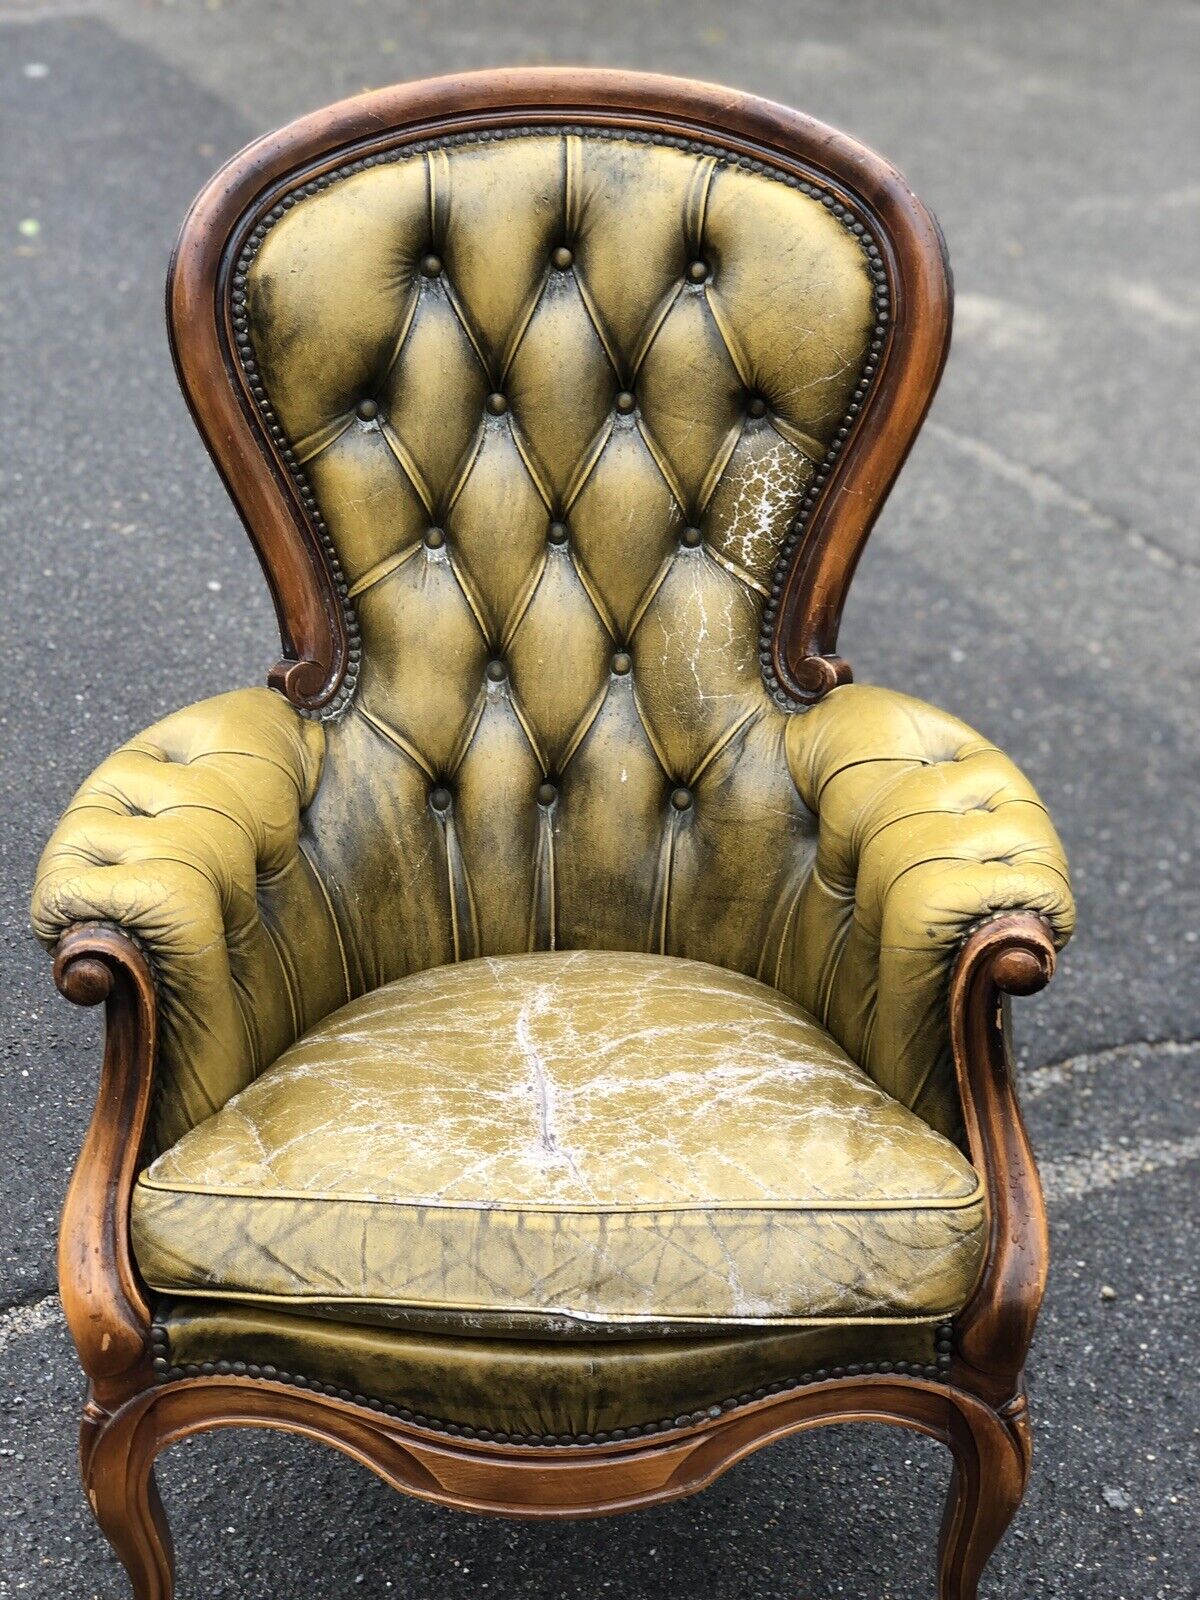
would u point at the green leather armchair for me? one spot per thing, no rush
(555, 1039)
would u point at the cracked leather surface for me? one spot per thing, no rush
(620, 779)
(588, 1135)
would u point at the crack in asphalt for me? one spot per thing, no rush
(1047, 490)
(28, 1317)
(1055, 1074)
(1072, 1177)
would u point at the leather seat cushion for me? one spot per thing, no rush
(535, 1389)
(548, 1141)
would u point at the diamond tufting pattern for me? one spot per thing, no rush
(556, 402)
(558, 398)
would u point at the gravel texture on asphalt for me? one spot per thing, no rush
(1037, 572)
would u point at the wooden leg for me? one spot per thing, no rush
(117, 1455)
(991, 1468)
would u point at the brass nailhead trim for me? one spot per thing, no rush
(718, 153)
(165, 1372)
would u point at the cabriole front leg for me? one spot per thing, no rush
(118, 1474)
(986, 1487)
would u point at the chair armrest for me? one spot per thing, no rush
(925, 830)
(188, 839)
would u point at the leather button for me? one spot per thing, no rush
(558, 533)
(431, 265)
(434, 538)
(621, 663)
(367, 409)
(496, 671)
(698, 271)
(547, 794)
(756, 406)
(563, 257)
(691, 537)
(625, 402)
(439, 799)
(681, 799)
(497, 404)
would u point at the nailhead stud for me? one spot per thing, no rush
(558, 533)
(547, 794)
(563, 257)
(497, 404)
(439, 799)
(431, 265)
(698, 271)
(621, 663)
(625, 402)
(435, 539)
(691, 537)
(368, 410)
(496, 672)
(681, 799)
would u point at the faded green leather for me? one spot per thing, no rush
(580, 1136)
(925, 829)
(275, 869)
(188, 837)
(194, 839)
(531, 1388)
(341, 314)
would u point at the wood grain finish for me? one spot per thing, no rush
(107, 1309)
(980, 1412)
(1009, 955)
(553, 1482)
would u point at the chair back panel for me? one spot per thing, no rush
(557, 397)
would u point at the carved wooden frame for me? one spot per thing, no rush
(977, 1408)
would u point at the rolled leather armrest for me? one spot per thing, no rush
(925, 829)
(189, 838)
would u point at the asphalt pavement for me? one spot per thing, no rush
(1037, 572)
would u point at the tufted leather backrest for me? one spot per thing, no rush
(557, 397)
